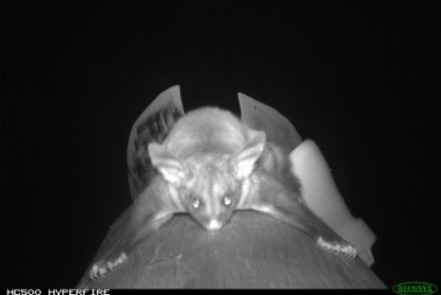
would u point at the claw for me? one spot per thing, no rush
(100, 268)
(97, 271)
(338, 248)
(112, 264)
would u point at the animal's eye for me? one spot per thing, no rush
(196, 203)
(227, 200)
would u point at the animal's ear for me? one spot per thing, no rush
(244, 161)
(171, 168)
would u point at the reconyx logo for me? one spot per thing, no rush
(415, 288)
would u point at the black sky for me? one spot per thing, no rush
(361, 78)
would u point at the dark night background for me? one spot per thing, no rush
(361, 78)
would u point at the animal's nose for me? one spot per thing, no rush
(214, 225)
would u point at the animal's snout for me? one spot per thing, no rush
(214, 225)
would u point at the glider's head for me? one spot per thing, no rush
(211, 193)
(209, 184)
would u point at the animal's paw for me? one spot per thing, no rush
(100, 268)
(342, 247)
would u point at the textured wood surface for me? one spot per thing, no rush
(251, 251)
